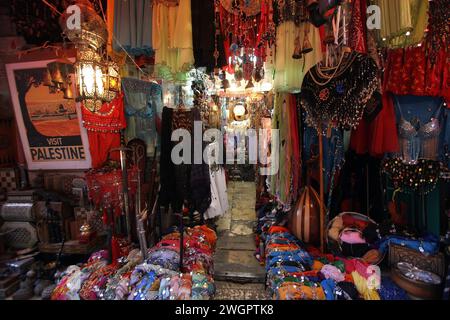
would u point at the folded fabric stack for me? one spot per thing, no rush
(354, 235)
(299, 272)
(157, 278)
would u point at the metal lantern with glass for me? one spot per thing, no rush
(98, 78)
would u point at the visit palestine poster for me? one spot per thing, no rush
(49, 125)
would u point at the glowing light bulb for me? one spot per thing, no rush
(99, 80)
(86, 78)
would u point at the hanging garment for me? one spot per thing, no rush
(219, 196)
(357, 39)
(205, 35)
(296, 153)
(219, 200)
(166, 194)
(333, 152)
(379, 136)
(410, 71)
(289, 72)
(103, 128)
(133, 26)
(200, 188)
(172, 39)
(338, 96)
(143, 101)
(421, 139)
(280, 182)
(400, 17)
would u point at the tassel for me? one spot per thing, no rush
(298, 50)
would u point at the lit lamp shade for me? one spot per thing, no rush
(90, 79)
(111, 80)
(239, 110)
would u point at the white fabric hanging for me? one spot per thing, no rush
(219, 197)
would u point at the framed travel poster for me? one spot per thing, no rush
(49, 125)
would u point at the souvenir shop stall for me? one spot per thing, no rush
(359, 206)
(118, 120)
(96, 208)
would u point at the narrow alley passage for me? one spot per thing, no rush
(238, 274)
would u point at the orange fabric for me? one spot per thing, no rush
(294, 291)
(317, 265)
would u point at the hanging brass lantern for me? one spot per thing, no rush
(90, 82)
(93, 32)
(111, 80)
(98, 79)
(68, 93)
(57, 77)
(47, 78)
(59, 72)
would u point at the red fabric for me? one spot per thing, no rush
(277, 229)
(410, 72)
(296, 165)
(233, 24)
(100, 144)
(358, 28)
(379, 136)
(110, 118)
(266, 14)
(323, 35)
(104, 130)
(350, 221)
(105, 188)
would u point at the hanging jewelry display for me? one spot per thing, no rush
(336, 97)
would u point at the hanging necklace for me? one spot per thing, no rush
(325, 76)
(339, 98)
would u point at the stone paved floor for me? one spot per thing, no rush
(237, 291)
(238, 274)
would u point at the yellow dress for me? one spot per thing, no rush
(172, 39)
(399, 17)
(289, 72)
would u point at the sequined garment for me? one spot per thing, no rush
(418, 143)
(339, 99)
(420, 177)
